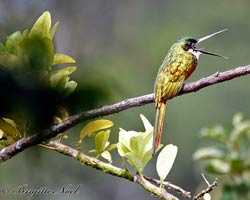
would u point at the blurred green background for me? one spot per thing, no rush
(119, 46)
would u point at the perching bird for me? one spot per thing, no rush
(179, 63)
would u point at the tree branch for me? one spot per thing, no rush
(27, 142)
(110, 169)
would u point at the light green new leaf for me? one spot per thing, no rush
(12, 42)
(123, 145)
(9, 62)
(94, 126)
(62, 82)
(62, 58)
(241, 129)
(42, 26)
(209, 153)
(106, 155)
(134, 162)
(216, 166)
(237, 119)
(69, 87)
(1, 134)
(166, 160)
(146, 123)
(8, 132)
(53, 30)
(122, 149)
(147, 157)
(111, 147)
(8, 127)
(217, 133)
(56, 75)
(101, 140)
(39, 52)
(136, 146)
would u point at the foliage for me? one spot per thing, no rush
(30, 72)
(135, 147)
(101, 137)
(228, 156)
(166, 160)
(31, 53)
(8, 132)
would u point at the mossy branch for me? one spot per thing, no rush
(146, 182)
(27, 142)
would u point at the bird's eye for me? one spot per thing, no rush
(187, 46)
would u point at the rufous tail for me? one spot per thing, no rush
(159, 120)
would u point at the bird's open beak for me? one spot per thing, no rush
(207, 37)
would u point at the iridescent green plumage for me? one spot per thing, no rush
(179, 63)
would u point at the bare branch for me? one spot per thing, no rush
(170, 186)
(207, 190)
(24, 143)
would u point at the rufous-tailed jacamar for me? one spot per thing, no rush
(179, 63)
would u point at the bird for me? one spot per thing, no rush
(178, 65)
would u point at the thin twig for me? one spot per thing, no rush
(27, 142)
(170, 186)
(207, 190)
(110, 169)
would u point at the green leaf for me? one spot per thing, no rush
(63, 112)
(123, 145)
(62, 82)
(122, 149)
(134, 162)
(207, 196)
(217, 133)
(2, 48)
(9, 62)
(237, 166)
(42, 26)
(56, 75)
(147, 157)
(216, 166)
(148, 141)
(101, 140)
(8, 127)
(242, 129)
(69, 87)
(106, 155)
(12, 42)
(146, 123)
(209, 153)
(8, 132)
(53, 30)
(111, 147)
(1, 134)
(136, 146)
(39, 52)
(166, 160)
(237, 119)
(95, 126)
(62, 58)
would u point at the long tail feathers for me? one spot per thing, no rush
(159, 120)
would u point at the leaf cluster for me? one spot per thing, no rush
(31, 54)
(229, 155)
(135, 147)
(34, 80)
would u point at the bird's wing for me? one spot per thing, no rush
(168, 83)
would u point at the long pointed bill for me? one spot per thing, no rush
(209, 36)
(211, 54)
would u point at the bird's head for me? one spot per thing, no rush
(189, 44)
